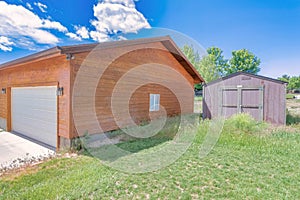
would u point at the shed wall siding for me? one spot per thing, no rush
(129, 57)
(274, 97)
(51, 71)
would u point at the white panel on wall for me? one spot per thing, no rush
(34, 113)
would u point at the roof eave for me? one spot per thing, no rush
(108, 45)
(42, 54)
(247, 74)
(165, 40)
(177, 53)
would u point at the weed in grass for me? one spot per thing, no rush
(243, 123)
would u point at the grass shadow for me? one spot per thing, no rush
(130, 145)
(113, 152)
(142, 144)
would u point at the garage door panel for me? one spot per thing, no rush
(40, 115)
(28, 129)
(34, 113)
(32, 128)
(38, 103)
(20, 109)
(30, 132)
(33, 120)
(30, 97)
(44, 104)
(39, 92)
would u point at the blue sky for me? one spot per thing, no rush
(268, 28)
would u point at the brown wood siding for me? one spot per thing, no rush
(274, 97)
(139, 103)
(51, 71)
(130, 57)
(3, 102)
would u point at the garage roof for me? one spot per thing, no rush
(60, 50)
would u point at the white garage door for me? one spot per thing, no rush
(34, 113)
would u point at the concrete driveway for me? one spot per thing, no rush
(15, 151)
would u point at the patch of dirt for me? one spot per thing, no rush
(197, 106)
(287, 129)
(106, 141)
(293, 106)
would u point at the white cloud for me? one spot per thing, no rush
(82, 32)
(5, 43)
(21, 27)
(74, 36)
(127, 3)
(41, 6)
(98, 36)
(24, 43)
(20, 24)
(29, 6)
(46, 23)
(116, 16)
(41, 36)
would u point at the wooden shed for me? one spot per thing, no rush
(37, 100)
(262, 97)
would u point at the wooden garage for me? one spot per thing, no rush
(43, 95)
(262, 97)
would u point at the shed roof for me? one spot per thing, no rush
(73, 49)
(246, 74)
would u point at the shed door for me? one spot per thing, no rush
(34, 113)
(241, 99)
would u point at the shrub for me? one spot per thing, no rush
(79, 143)
(292, 119)
(243, 123)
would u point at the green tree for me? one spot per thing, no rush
(285, 78)
(214, 65)
(194, 59)
(294, 83)
(216, 55)
(209, 66)
(191, 55)
(243, 60)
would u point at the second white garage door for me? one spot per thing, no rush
(34, 113)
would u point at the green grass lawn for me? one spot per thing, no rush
(198, 98)
(250, 161)
(290, 96)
